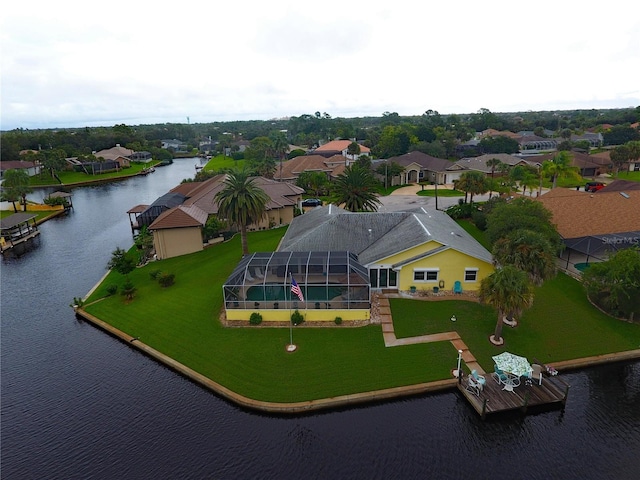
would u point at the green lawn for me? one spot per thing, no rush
(561, 325)
(442, 192)
(475, 232)
(221, 161)
(182, 322)
(72, 177)
(39, 215)
(627, 175)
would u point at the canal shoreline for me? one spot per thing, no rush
(332, 402)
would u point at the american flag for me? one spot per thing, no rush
(296, 289)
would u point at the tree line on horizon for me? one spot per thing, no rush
(388, 135)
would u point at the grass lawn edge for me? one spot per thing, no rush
(330, 402)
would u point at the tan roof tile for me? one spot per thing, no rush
(581, 214)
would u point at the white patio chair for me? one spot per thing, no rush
(474, 386)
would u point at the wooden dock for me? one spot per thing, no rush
(493, 399)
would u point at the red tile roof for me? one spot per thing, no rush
(339, 146)
(291, 169)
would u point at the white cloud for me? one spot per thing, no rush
(73, 64)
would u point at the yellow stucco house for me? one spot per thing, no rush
(399, 251)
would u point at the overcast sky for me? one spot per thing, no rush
(75, 63)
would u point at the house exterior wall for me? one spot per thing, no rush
(173, 242)
(450, 266)
(274, 218)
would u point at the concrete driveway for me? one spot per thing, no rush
(406, 198)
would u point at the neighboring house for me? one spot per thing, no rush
(174, 144)
(588, 165)
(422, 248)
(118, 154)
(242, 145)
(178, 231)
(592, 225)
(30, 167)
(142, 157)
(291, 169)
(492, 132)
(479, 163)
(595, 139)
(634, 166)
(159, 206)
(534, 143)
(420, 167)
(620, 186)
(340, 147)
(176, 218)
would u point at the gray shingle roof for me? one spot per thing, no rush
(375, 236)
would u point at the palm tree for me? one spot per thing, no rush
(474, 183)
(529, 251)
(356, 189)
(619, 156)
(279, 147)
(241, 202)
(559, 166)
(509, 291)
(493, 163)
(15, 187)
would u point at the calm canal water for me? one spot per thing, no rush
(76, 403)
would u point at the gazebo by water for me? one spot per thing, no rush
(16, 229)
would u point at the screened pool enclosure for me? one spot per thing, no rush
(327, 280)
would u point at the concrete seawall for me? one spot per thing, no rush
(325, 403)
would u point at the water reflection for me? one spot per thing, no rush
(77, 403)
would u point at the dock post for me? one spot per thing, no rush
(526, 403)
(566, 394)
(484, 409)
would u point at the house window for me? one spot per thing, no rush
(425, 275)
(470, 274)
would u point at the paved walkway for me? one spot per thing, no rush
(390, 339)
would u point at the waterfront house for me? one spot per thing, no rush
(177, 218)
(30, 167)
(421, 248)
(413, 251)
(120, 155)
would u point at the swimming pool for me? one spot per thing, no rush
(312, 293)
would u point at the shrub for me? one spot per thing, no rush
(128, 290)
(77, 302)
(338, 320)
(154, 274)
(462, 210)
(255, 318)
(479, 219)
(297, 318)
(112, 289)
(166, 279)
(56, 201)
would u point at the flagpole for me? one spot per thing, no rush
(291, 347)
